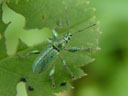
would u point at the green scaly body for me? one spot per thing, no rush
(47, 56)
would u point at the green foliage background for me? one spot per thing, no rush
(108, 75)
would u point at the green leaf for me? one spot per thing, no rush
(2, 39)
(44, 13)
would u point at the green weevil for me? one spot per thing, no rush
(50, 53)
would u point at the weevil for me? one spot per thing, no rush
(50, 53)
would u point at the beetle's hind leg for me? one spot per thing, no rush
(51, 76)
(29, 53)
(67, 68)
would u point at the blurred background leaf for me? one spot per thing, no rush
(108, 75)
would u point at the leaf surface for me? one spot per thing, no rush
(45, 13)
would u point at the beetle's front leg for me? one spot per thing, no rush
(67, 68)
(75, 49)
(51, 76)
(54, 33)
(29, 53)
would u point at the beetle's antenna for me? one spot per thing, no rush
(67, 22)
(84, 29)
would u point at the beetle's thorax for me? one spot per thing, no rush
(60, 43)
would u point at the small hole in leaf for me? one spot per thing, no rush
(23, 79)
(63, 84)
(30, 88)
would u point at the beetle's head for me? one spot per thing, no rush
(61, 42)
(67, 37)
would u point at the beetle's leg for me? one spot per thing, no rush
(50, 40)
(67, 21)
(51, 76)
(67, 68)
(54, 33)
(29, 53)
(75, 49)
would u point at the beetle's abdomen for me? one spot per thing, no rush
(46, 58)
